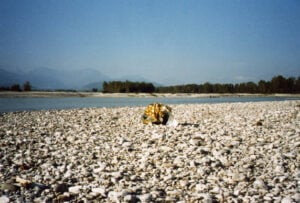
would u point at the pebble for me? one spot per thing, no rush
(9, 187)
(75, 189)
(259, 184)
(114, 196)
(145, 197)
(99, 190)
(287, 200)
(61, 188)
(4, 199)
(216, 152)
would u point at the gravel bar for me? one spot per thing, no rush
(227, 152)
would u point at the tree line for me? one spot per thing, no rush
(127, 87)
(278, 84)
(17, 87)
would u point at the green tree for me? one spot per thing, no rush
(128, 87)
(278, 84)
(207, 88)
(291, 84)
(297, 85)
(27, 86)
(16, 87)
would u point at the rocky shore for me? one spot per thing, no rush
(229, 152)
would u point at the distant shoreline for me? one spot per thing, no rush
(46, 94)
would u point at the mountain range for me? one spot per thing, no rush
(51, 79)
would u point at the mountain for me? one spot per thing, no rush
(42, 78)
(138, 78)
(8, 78)
(51, 79)
(45, 78)
(80, 78)
(133, 78)
(94, 85)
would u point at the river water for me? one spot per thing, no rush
(30, 104)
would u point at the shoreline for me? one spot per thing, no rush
(54, 94)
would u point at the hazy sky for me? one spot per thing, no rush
(171, 42)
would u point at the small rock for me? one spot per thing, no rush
(199, 136)
(206, 198)
(99, 190)
(4, 199)
(116, 174)
(200, 187)
(177, 161)
(9, 187)
(145, 197)
(130, 198)
(65, 197)
(158, 136)
(259, 184)
(75, 189)
(127, 144)
(113, 196)
(61, 188)
(216, 190)
(57, 134)
(68, 174)
(183, 183)
(279, 169)
(195, 142)
(287, 200)
(259, 123)
(296, 197)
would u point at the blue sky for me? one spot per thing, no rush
(170, 42)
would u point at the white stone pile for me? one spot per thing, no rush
(229, 152)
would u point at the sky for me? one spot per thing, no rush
(166, 41)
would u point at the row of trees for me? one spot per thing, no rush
(17, 87)
(278, 84)
(127, 87)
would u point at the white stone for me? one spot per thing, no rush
(258, 183)
(287, 200)
(200, 187)
(145, 197)
(68, 174)
(172, 123)
(114, 196)
(99, 190)
(128, 198)
(4, 199)
(75, 189)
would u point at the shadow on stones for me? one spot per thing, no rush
(196, 125)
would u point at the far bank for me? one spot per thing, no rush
(49, 94)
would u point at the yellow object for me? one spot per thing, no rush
(157, 113)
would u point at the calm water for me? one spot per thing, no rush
(22, 104)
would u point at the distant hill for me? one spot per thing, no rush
(96, 85)
(50, 79)
(45, 78)
(138, 78)
(8, 78)
(132, 78)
